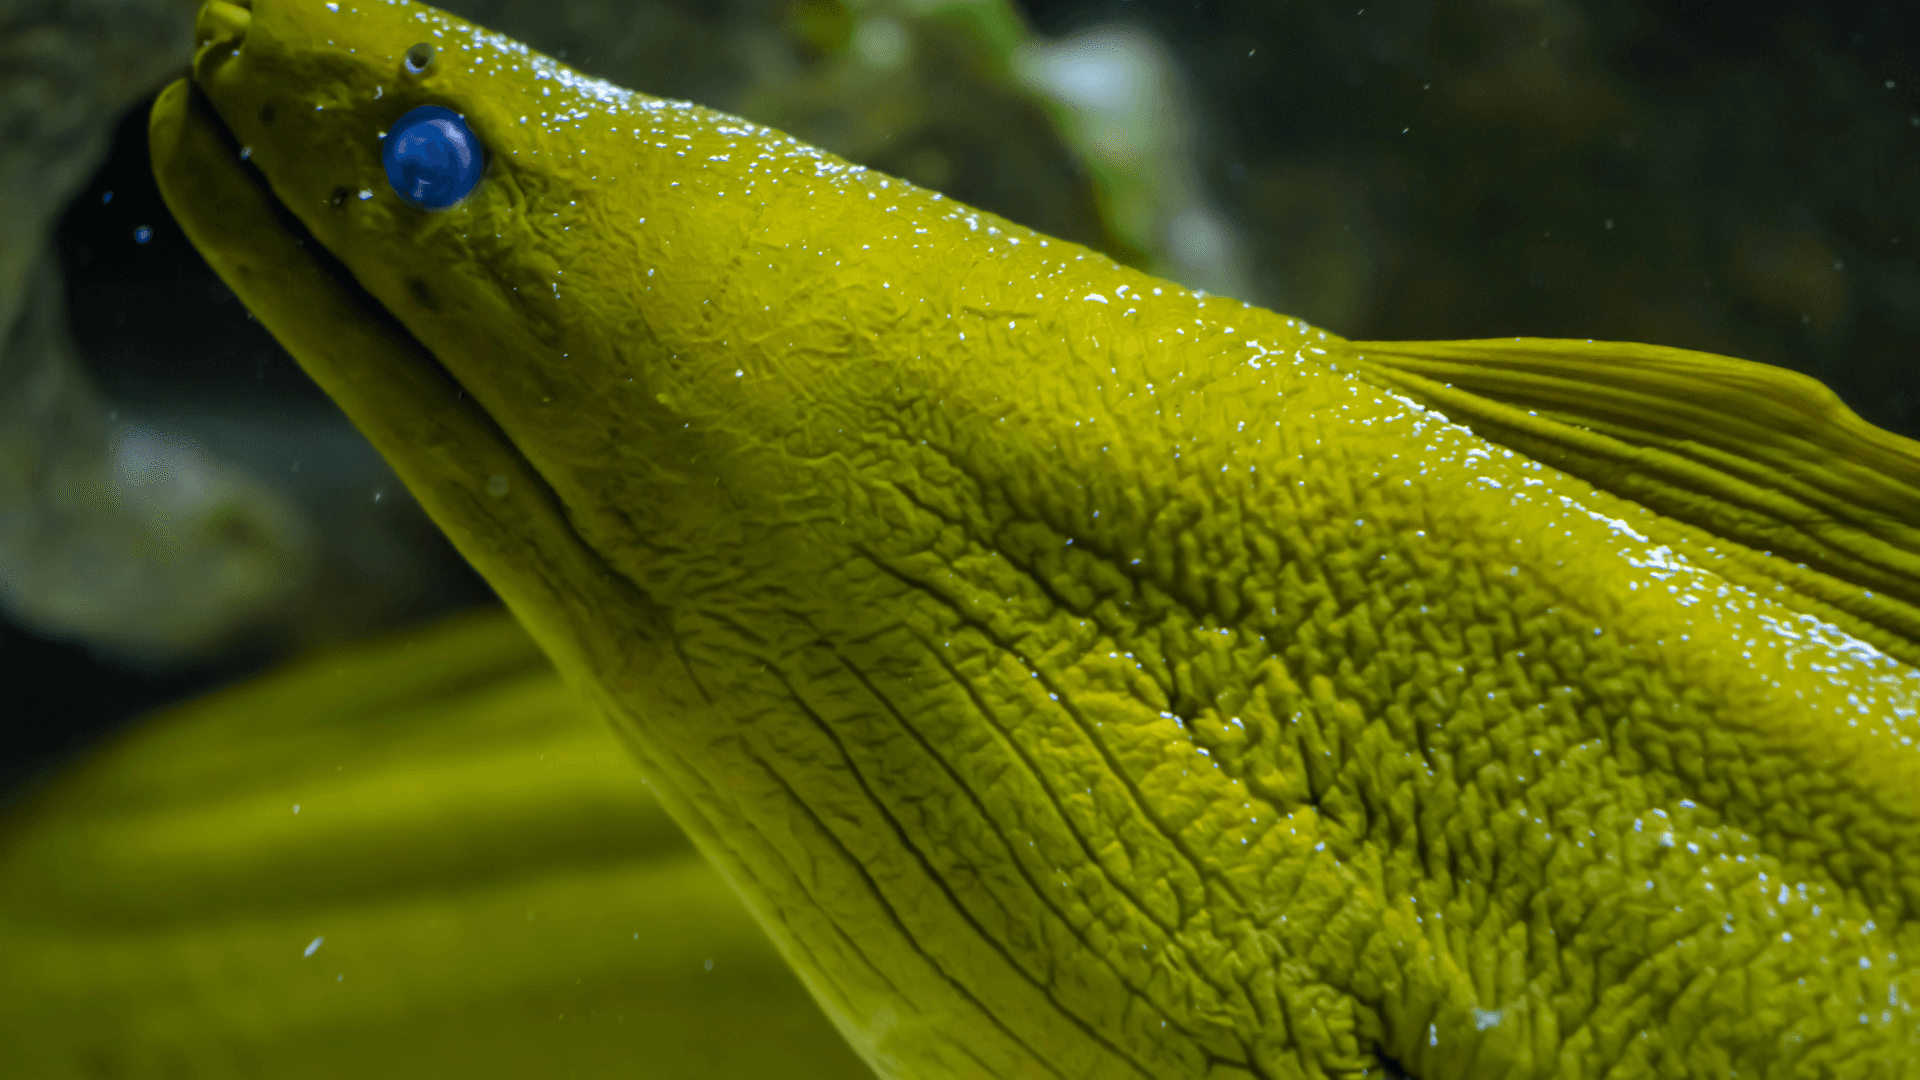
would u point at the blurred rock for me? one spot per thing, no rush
(68, 69)
(1121, 101)
(129, 539)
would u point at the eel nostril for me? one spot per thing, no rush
(266, 115)
(419, 56)
(340, 197)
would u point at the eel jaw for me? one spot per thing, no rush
(477, 486)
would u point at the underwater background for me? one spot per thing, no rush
(180, 506)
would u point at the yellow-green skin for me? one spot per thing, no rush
(1079, 677)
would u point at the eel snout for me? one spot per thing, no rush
(219, 31)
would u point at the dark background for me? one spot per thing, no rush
(1739, 178)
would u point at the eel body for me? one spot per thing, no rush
(1080, 677)
(417, 856)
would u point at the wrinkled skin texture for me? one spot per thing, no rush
(1079, 677)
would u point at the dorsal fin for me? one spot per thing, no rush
(1767, 458)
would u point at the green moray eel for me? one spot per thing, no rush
(1082, 677)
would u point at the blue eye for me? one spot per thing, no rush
(432, 157)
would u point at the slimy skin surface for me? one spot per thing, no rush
(1082, 678)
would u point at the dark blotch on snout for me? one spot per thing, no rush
(421, 294)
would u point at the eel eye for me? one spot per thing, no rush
(432, 158)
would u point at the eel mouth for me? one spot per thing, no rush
(367, 306)
(221, 28)
(456, 459)
(360, 305)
